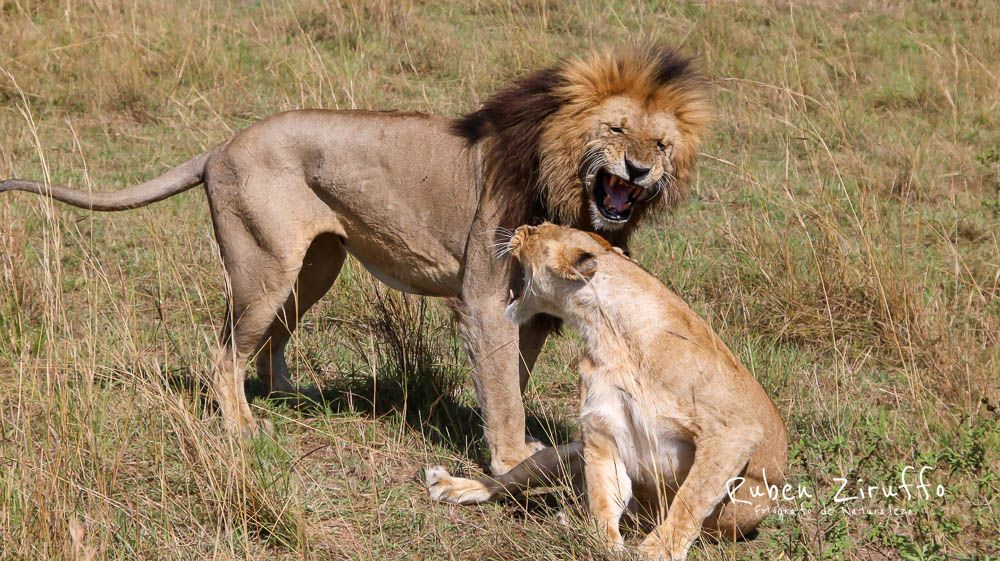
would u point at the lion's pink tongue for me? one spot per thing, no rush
(618, 197)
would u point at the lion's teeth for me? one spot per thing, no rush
(512, 295)
(607, 201)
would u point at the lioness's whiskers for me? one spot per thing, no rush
(500, 249)
(502, 246)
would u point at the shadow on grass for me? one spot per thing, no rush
(425, 400)
(407, 363)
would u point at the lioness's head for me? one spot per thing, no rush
(556, 262)
(593, 142)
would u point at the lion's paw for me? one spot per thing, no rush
(510, 459)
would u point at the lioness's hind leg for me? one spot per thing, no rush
(320, 267)
(227, 384)
(738, 519)
(718, 458)
(456, 490)
(247, 322)
(545, 468)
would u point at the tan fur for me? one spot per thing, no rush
(603, 89)
(419, 200)
(668, 413)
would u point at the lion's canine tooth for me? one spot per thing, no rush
(512, 295)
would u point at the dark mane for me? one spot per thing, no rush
(671, 65)
(526, 102)
(510, 122)
(508, 127)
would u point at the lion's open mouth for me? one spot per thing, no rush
(615, 196)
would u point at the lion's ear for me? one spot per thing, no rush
(575, 263)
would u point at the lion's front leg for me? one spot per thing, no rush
(492, 344)
(532, 337)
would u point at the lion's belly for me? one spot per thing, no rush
(410, 246)
(443, 279)
(402, 190)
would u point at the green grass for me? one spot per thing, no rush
(842, 238)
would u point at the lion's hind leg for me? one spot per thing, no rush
(263, 255)
(320, 267)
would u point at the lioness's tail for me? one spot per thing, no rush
(544, 469)
(177, 180)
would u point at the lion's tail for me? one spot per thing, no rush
(183, 177)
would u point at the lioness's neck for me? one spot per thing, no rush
(614, 318)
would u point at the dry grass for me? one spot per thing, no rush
(843, 239)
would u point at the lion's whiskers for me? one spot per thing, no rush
(593, 161)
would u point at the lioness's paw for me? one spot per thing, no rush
(653, 551)
(435, 474)
(438, 483)
(535, 445)
(253, 429)
(456, 490)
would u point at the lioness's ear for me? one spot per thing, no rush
(574, 263)
(597, 238)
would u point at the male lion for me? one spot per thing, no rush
(419, 199)
(668, 414)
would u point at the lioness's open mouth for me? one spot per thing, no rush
(615, 196)
(516, 282)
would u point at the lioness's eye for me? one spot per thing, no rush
(661, 145)
(616, 130)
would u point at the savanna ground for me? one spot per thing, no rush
(842, 238)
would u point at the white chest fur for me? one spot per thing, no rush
(656, 450)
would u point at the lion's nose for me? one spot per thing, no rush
(636, 170)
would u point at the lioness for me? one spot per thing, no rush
(418, 200)
(667, 412)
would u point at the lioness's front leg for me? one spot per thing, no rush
(492, 344)
(609, 488)
(717, 459)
